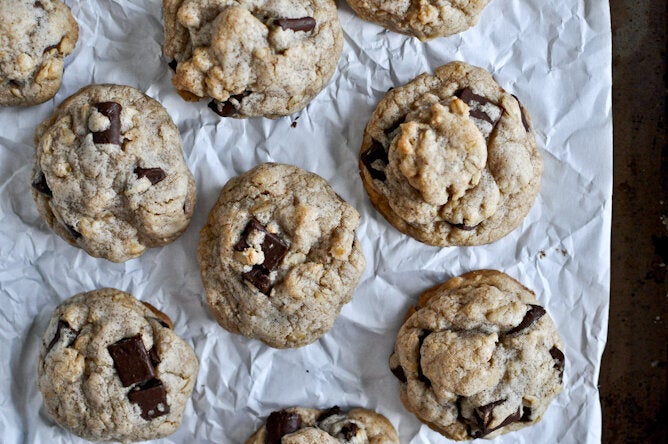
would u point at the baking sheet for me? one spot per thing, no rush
(555, 56)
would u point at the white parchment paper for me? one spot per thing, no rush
(554, 55)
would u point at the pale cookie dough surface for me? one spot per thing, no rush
(246, 56)
(83, 387)
(112, 184)
(478, 357)
(279, 255)
(424, 19)
(35, 37)
(300, 425)
(451, 159)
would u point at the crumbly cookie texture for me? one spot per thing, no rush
(279, 256)
(253, 58)
(451, 159)
(300, 425)
(112, 368)
(35, 37)
(424, 19)
(478, 357)
(109, 174)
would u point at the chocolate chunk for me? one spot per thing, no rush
(296, 24)
(534, 313)
(273, 247)
(38, 5)
(375, 152)
(74, 233)
(465, 227)
(329, 412)
(460, 417)
(259, 277)
(131, 361)
(280, 424)
(526, 414)
(558, 356)
(388, 131)
(152, 399)
(227, 108)
(63, 329)
(421, 375)
(40, 185)
(173, 64)
(524, 117)
(349, 431)
(484, 418)
(399, 373)
(475, 103)
(155, 175)
(112, 111)
(153, 356)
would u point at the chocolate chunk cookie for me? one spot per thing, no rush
(112, 368)
(478, 357)
(279, 256)
(451, 159)
(109, 173)
(300, 425)
(35, 37)
(424, 19)
(265, 58)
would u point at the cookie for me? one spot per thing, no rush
(112, 368)
(424, 19)
(266, 58)
(279, 256)
(35, 37)
(109, 174)
(451, 159)
(300, 425)
(478, 357)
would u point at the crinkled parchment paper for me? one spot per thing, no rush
(554, 55)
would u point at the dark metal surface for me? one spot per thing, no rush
(635, 362)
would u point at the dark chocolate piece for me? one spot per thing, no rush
(484, 417)
(375, 152)
(525, 122)
(280, 424)
(63, 329)
(460, 417)
(296, 24)
(329, 412)
(173, 64)
(421, 375)
(153, 356)
(38, 5)
(112, 111)
(399, 373)
(259, 277)
(131, 361)
(558, 356)
(534, 313)
(155, 175)
(152, 399)
(526, 414)
(471, 99)
(349, 431)
(394, 126)
(227, 108)
(465, 227)
(74, 233)
(273, 247)
(40, 185)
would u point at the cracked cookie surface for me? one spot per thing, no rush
(253, 58)
(35, 37)
(424, 19)
(478, 357)
(279, 256)
(109, 174)
(112, 368)
(451, 159)
(300, 425)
